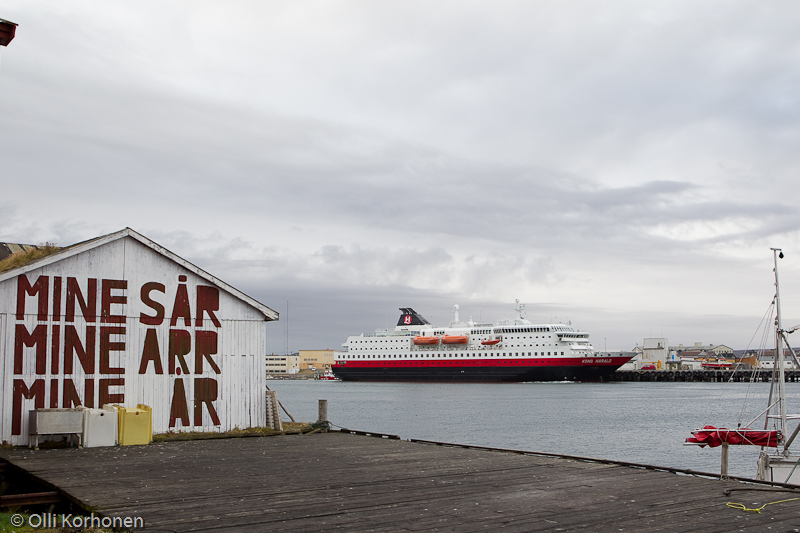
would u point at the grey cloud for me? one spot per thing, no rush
(192, 155)
(323, 317)
(384, 266)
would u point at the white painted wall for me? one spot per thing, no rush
(119, 373)
(655, 350)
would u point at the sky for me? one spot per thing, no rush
(622, 166)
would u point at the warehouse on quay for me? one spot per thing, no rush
(119, 319)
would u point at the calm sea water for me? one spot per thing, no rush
(637, 422)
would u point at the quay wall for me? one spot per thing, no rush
(758, 375)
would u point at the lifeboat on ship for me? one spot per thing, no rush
(491, 342)
(426, 341)
(455, 339)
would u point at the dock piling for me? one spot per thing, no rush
(723, 470)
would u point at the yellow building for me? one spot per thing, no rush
(317, 359)
(722, 350)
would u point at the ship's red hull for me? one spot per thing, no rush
(482, 370)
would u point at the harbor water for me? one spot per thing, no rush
(635, 422)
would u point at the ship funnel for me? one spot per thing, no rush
(409, 317)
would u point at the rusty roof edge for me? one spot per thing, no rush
(9, 22)
(90, 244)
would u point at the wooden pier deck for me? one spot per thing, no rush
(331, 481)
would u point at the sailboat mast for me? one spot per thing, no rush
(779, 356)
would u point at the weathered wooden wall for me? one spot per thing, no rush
(122, 323)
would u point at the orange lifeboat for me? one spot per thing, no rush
(455, 339)
(426, 341)
(490, 342)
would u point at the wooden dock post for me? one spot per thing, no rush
(323, 411)
(723, 470)
(273, 413)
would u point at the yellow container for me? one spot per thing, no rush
(135, 425)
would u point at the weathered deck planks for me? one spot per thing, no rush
(328, 481)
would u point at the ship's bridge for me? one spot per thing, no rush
(391, 332)
(571, 335)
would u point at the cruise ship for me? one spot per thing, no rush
(511, 350)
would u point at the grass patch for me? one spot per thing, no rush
(20, 259)
(288, 428)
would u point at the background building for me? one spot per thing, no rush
(767, 358)
(712, 350)
(318, 359)
(709, 356)
(283, 364)
(654, 354)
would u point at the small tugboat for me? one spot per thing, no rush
(329, 376)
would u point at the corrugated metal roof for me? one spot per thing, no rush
(81, 247)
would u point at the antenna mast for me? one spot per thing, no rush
(286, 331)
(779, 356)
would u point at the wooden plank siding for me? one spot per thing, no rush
(131, 304)
(338, 481)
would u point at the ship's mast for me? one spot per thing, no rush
(779, 356)
(520, 310)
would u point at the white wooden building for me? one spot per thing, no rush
(122, 320)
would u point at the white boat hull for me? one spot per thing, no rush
(779, 468)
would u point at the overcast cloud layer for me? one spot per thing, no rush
(623, 165)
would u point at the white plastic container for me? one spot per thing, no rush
(100, 427)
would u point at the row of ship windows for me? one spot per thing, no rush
(429, 356)
(406, 341)
(522, 330)
(436, 348)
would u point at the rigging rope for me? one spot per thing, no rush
(766, 319)
(720, 407)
